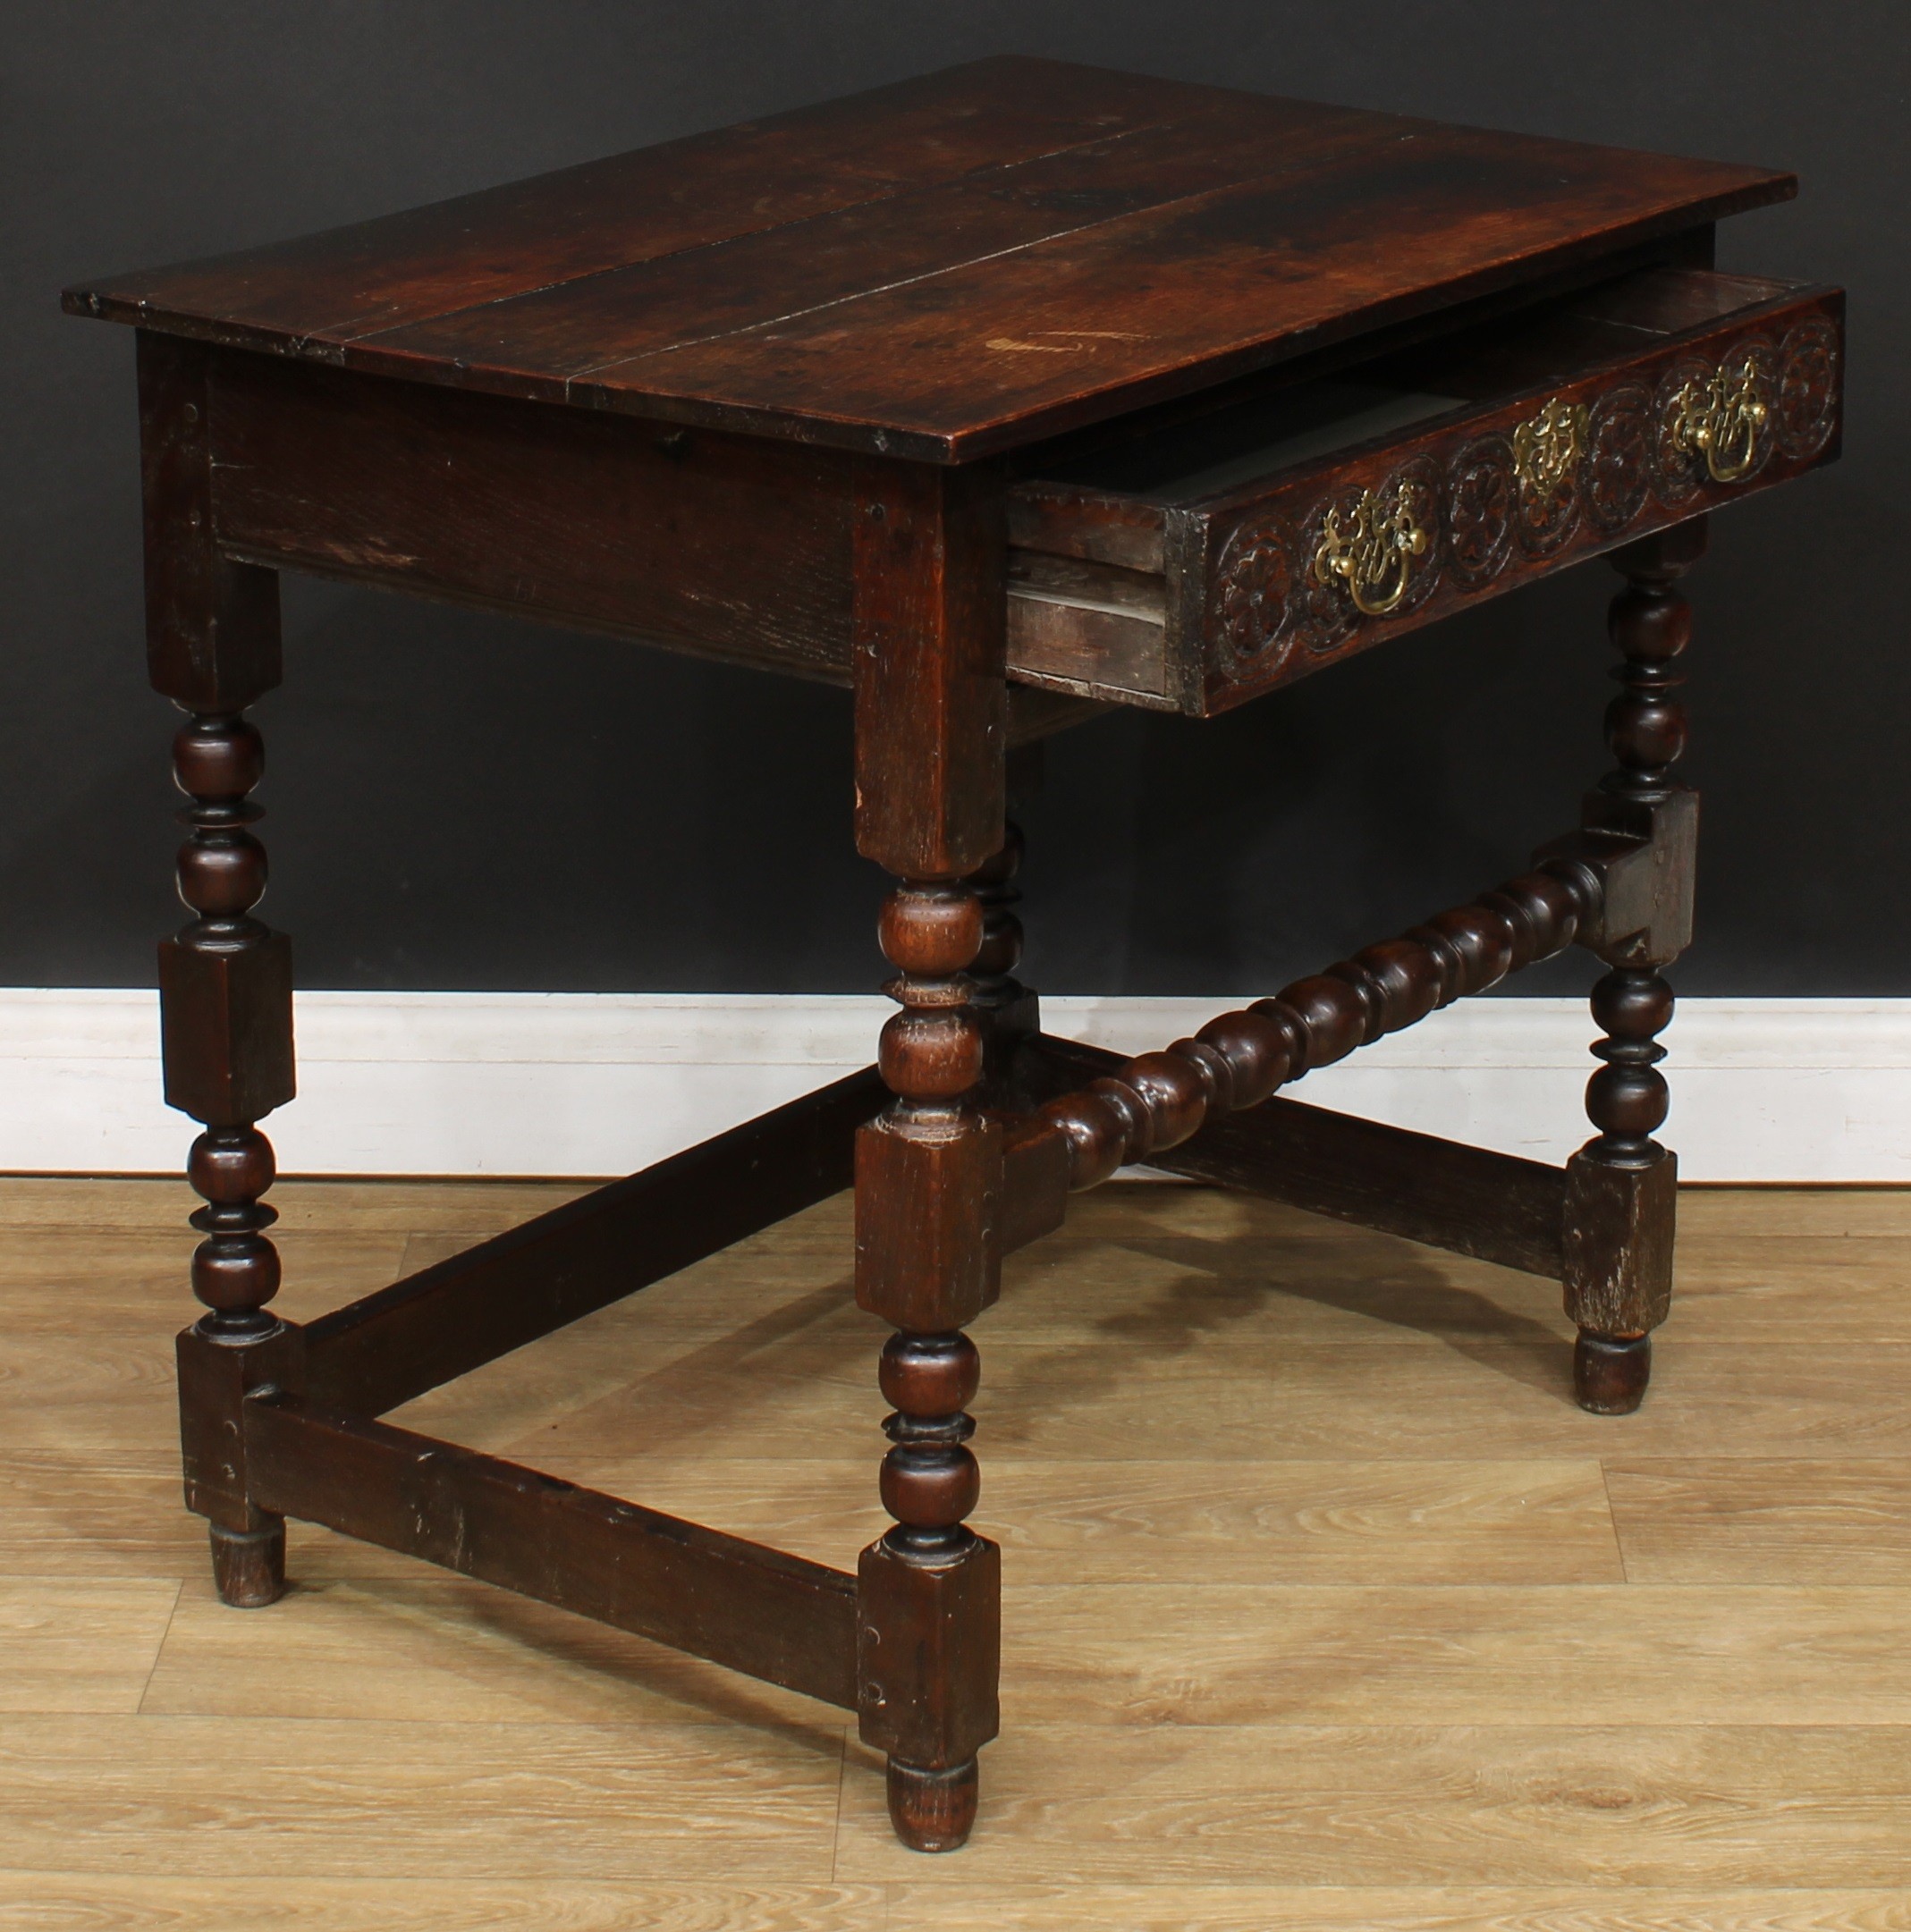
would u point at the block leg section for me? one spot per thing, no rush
(1618, 1253)
(214, 1378)
(928, 1657)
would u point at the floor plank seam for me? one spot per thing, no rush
(1613, 1519)
(138, 1708)
(842, 1781)
(1418, 1591)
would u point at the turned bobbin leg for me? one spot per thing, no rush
(1008, 1011)
(224, 979)
(928, 1171)
(225, 993)
(1622, 1184)
(927, 1179)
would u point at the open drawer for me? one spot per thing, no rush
(1193, 564)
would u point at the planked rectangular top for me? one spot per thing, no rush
(944, 268)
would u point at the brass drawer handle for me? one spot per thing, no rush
(1373, 555)
(1720, 420)
(1547, 448)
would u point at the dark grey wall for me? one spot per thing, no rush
(457, 801)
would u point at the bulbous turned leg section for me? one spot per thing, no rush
(1622, 1186)
(928, 1175)
(1621, 1200)
(226, 994)
(248, 1565)
(1610, 1371)
(932, 1811)
(929, 1597)
(235, 1268)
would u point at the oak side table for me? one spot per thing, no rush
(1002, 395)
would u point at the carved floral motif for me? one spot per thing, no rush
(1406, 505)
(1479, 522)
(1619, 466)
(1548, 450)
(1808, 401)
(1252, 595)
(1676, 472)
(1591, 461)
(1715, 419)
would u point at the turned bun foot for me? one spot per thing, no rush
(248, 1565)
(932, 1810)
(1610, 1372)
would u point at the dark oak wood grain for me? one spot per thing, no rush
(1085, 242)
(931, 801)
(870, 392)
(1171, 565)
(225, 993)
(449, 1319)
(212, 623)
(653, 202)
(1166, 568)
(595, 522)
(1471, 1200)
(1155, 1101)
(774, 1615)
(1624, 1184)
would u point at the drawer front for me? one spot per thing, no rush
(1280, 578)
(1327, 565)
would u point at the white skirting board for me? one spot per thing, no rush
(602, 1083)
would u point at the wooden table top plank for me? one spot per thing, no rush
(1123, 313)
(336, 285)
(540, 341)
(946, 268)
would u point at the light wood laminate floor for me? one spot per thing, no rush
(1324, 1605)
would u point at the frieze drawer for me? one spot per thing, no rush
(1195, 564)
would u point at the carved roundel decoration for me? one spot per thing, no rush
(1417, 489)
(1618, 458)
(1752, 367)
(1323, 614)
(1807, 406)
(1548, 514)
(1677, 467)
(1252, 595)
(1716, 422)
(1369, 553)
(1479, 495)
